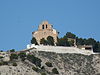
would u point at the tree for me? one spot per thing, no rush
(98, 50)
(43, 41)
(79, 41)
(71, 43)
(70, 35)
(90, 41)
(12, 50)
(34, 41)
(96, 47)
(50, 40)
(63, 42)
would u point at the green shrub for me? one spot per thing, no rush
(49, 64)
(34, 41)
(23, 59)
(1, 63)
(15, 64)
(34, 60)
(22, 55)
(43, 41)
(35, 68)
(4, 63)
(13, 56)
(55, 71)
(1, 50)
(42, 67)
(43, 73)
(1, 57)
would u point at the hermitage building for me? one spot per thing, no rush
(44, 30)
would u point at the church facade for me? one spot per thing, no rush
(44, 30)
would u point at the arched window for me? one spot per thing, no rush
(46, 26)
(42, 26)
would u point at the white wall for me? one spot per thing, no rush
(61, 49)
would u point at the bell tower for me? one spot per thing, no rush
(45, 25)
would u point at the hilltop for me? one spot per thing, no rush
(51, 63)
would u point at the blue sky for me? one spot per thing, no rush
(18, 18)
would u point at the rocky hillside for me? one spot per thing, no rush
(49, 63)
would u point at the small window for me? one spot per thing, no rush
(88, 48)
(42, 26)
(46, 26)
